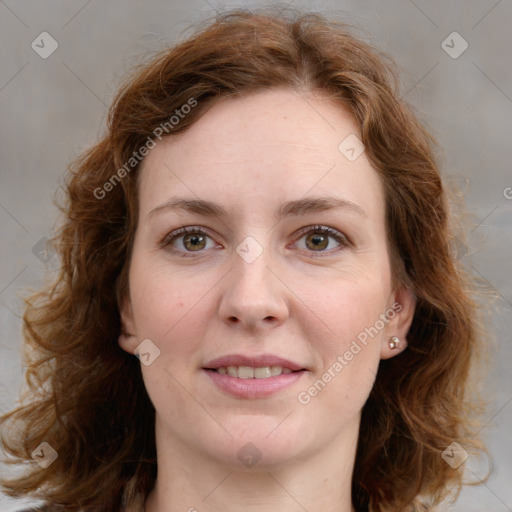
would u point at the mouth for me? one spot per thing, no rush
(253, 377)
(249, 372)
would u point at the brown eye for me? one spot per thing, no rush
(194, 242)
(317, 241)
(187, 240)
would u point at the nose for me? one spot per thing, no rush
(254, 295)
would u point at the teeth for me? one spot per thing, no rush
(245, 372)
(262, 373)
(248, 372)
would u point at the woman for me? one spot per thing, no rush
(258, 304)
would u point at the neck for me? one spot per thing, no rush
(189, 481)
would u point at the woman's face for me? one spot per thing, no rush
(262, 288)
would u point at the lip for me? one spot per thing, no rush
(253, 388)
(256, 361)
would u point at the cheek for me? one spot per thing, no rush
(348, 352)
(345, 311)
(169, 308)
(346, 333)
(171, 311)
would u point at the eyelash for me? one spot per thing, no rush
(319, 229)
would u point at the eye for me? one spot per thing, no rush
(187, 239)
(317, 239)
(194, 239)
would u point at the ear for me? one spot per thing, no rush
(127, 339)
(400, 314)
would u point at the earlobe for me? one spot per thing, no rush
(395, 340)
(127, 338)
(127, 342)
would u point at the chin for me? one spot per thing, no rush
(257, 443)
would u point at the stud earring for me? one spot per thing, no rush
(393, 343)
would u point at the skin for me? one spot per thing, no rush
(250, 155)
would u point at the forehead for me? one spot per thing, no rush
(266, 147)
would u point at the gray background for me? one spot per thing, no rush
(53, 108)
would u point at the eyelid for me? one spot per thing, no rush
(184, 230)
(340, 237)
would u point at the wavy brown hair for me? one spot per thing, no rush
(86, 396)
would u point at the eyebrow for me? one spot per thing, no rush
(293, 208)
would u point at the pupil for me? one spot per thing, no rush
(319, 241)
(194, 240)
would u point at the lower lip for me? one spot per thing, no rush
(254, 388)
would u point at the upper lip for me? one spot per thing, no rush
(256, 361)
